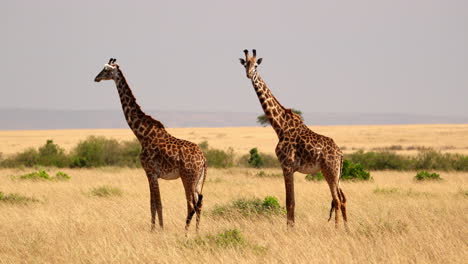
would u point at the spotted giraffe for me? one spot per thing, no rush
(299, 148)
(162, 156)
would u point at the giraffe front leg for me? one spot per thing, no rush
(290, 202)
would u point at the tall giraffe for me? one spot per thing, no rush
(162, 156)
(299, 148)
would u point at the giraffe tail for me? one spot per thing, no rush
(199, 188)
(199, 202)
(338, 190)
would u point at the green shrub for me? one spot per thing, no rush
(14, 198)
(217, 158)
(27, 158)
(43, 175)
(270, 161)
(258, 160)
(97, 152)
(37, 175)
(315, 177)
(203, 146)
(106, 191)
(354, 171)
(250, 207)
(255, 160)
(382, 160)
(271, 203)
(429, 159)
(52, 154)
(426, 176)
(131, 153)
(229, 238)
(62, 176)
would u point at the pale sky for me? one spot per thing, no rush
(318, 56)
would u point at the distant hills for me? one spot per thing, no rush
(27, 119)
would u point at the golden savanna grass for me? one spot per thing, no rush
(392, 219)
(446, 138)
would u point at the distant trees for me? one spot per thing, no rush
(263, 120)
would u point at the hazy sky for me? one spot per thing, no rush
(318, 56)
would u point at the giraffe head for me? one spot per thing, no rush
(109, 72)
(250, 63)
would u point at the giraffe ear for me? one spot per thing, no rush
(259, 61)
(242, 61)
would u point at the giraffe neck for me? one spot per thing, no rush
(274, 111)
(140, 123)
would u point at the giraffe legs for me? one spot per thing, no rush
(338, 198)
(156, 205)
(193, 200)
(290, 203)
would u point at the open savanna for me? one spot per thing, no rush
(392, 219)
(451, 138)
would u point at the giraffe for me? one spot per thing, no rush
(299, 149)
(162, 156)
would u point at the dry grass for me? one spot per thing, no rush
(392, 220)
(447, 138)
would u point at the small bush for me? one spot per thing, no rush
(270, 161)
(255, 160)
(203, 145)
(14, 198)
(262, 160)
(37, 175)
(250, 207)
(62, 176)
(106, 191)
(52, 154)
(43, 175)
(426, 176)
(217, 158)
(383, 160)
(96, 152)
(315, 177)
(130, 151)
(229, 238)
(354, 171)
(27, 158)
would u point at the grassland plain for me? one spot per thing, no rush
(393, 219)
(404, 139)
